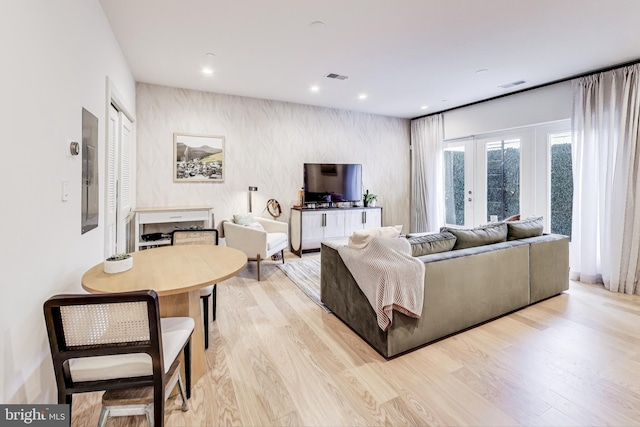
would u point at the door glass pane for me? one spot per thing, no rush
(503, 179)
(561, 182)
(454, 185)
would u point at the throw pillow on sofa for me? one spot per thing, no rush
(361, 238)
(431, 243)
(479, 236)
(529, 227)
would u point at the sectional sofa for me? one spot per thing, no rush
(466, 283)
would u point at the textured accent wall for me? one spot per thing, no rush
(266, 144)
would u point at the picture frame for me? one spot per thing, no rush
(198, 158)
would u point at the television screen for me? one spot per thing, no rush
(331, 182)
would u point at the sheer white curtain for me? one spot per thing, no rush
(606, 177)
(427, 189)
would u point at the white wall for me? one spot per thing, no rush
(56, 56)
(542, 105)
(267, 143)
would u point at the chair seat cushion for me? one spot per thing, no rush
(276, 239)
(206, 291)
(175, 333)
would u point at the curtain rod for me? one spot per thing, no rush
(589, 73)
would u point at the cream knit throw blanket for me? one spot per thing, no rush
(389, 276)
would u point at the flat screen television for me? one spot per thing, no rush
(332, 182)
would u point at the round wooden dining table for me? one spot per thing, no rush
(176, 273)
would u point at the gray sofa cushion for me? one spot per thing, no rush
(530, 227)
(431, 243)
(548, 265)
(483, 235)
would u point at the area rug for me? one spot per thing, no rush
(306, 276)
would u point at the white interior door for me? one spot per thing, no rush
(119, 182)
(125, 182)
(111, 184)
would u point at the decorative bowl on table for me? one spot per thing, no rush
(118, 263)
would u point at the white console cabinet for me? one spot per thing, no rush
(165, 220)
(309, 227)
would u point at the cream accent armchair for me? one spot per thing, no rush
(258, 244)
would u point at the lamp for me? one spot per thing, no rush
(251, 190)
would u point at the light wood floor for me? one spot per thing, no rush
(277, 359)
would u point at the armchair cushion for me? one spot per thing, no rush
(255, 225)
(276, 240)
(243, 219)
(272, 226)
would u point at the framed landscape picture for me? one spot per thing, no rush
(198, 158)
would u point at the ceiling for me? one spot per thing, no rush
(403, 54)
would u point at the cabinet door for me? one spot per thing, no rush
(373, 218)
(312, 226)
(353, 221)
(334, 224)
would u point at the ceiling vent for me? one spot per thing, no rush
(512, 84)
(336, 76)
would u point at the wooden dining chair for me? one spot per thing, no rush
(203, 236)
(116, 341)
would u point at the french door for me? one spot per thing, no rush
(494, 176)
(459, 183)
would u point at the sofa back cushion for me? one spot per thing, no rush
(529, 227)
(427, 244)
(483, 235)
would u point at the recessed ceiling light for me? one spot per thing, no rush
(481, 70)
(362, 96)
(207, 69)
(314, 88)
(424, 107)
(317, 25)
